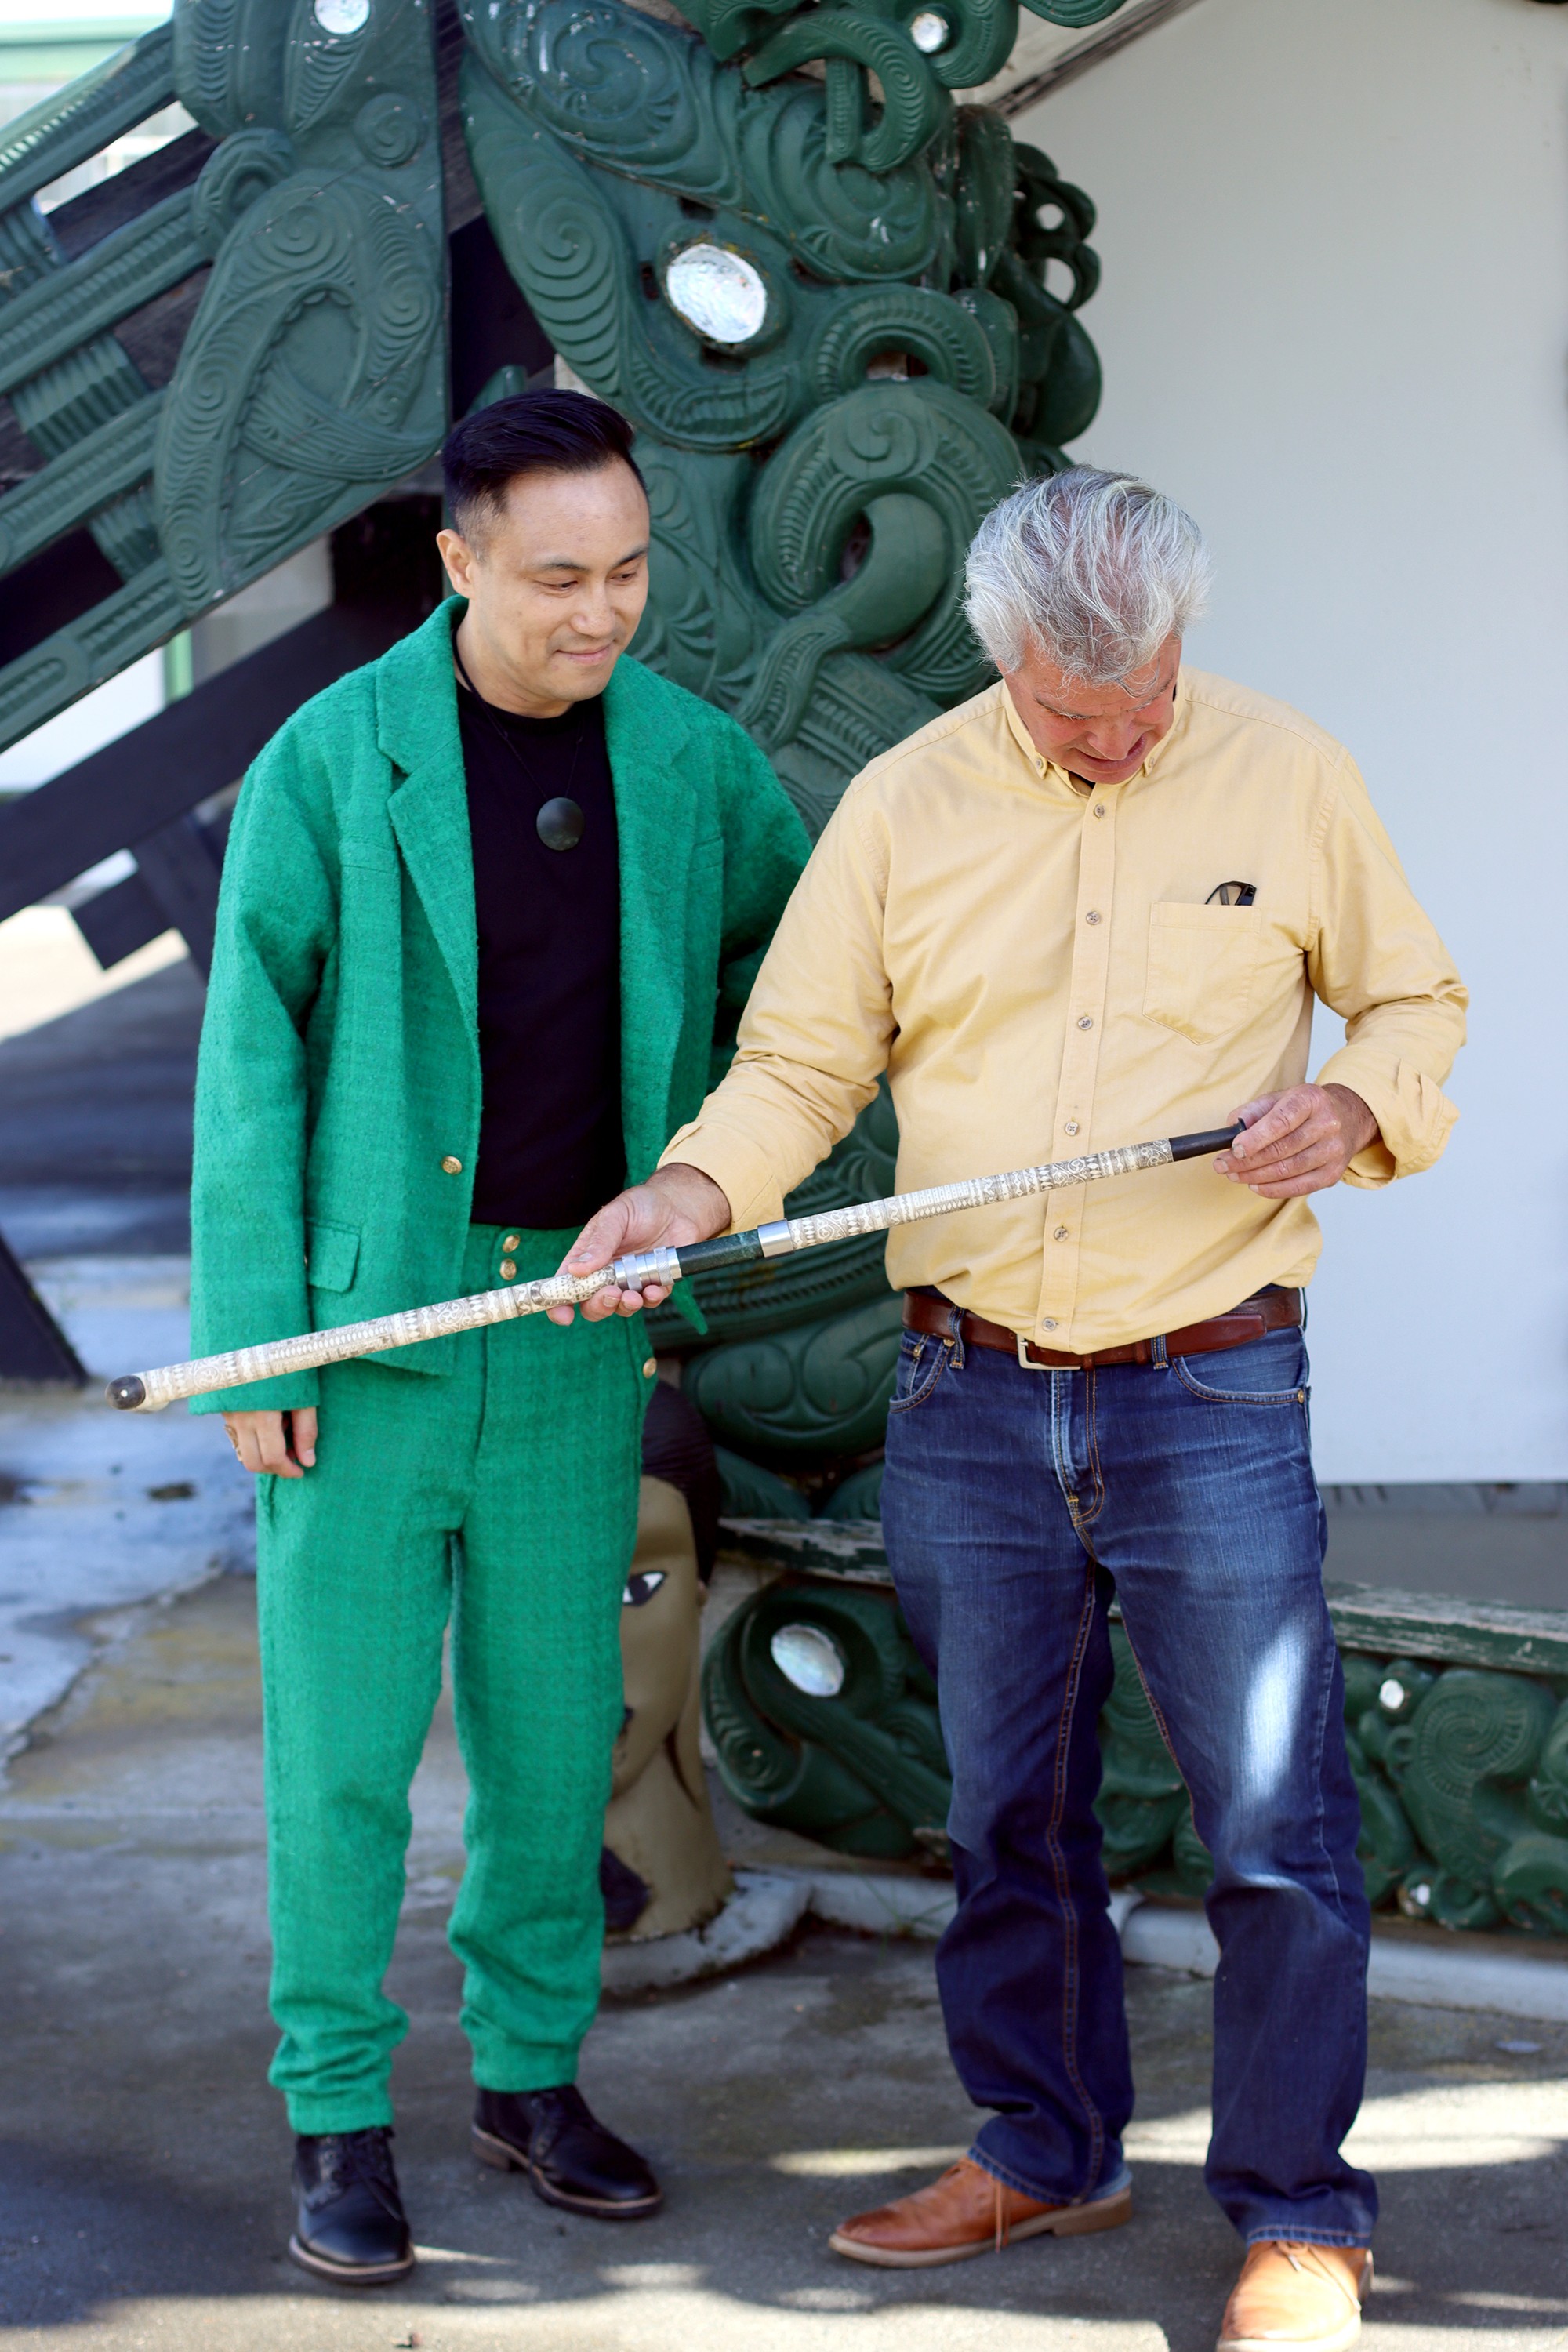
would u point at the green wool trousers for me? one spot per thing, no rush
(499, 1499)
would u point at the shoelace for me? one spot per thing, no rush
(361, 2155)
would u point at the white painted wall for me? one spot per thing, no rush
(1334, 322)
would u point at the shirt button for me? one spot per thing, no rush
(1061, 1233)
(1092, 915)
(509, 1270)
(1085, 1021)
(1071, 1127)
(512, 1241)
(1099, 809)
(1047, 1324)
(450, 1166)
(649, 1369)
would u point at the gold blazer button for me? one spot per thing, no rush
(450, 1166)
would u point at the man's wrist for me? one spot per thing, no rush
(1360, 1121)
(694, 1195)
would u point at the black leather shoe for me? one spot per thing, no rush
(350, 2225)
(570, 2159)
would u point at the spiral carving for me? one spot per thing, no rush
(917, 437)
(1473, 1740)
(914, 103)
(945, 336)
(1549, 1783)
(244, 378)
(819, 1388)
(630, 97)
(859, 1767)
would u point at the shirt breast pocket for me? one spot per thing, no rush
(1202, 968)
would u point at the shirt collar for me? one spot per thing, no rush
(1047, 768)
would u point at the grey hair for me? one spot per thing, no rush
(1093, 570)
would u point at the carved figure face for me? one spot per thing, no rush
(659, 1630)
(556, 583)
(1102, 734)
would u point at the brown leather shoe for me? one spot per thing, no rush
(1308, 2297)
(968, 2211)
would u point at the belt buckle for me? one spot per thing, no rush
(1025, 1360)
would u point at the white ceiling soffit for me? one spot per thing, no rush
(1045, 55)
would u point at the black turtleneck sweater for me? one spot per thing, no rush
(551, 1148)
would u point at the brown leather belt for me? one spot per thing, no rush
(1267, 1310)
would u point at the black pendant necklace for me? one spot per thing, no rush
(560, 823)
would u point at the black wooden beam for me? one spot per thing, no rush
(32, 1344)
(198, 745)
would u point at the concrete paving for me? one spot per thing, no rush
(144, 2160)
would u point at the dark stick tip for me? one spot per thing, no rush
(127, 1392)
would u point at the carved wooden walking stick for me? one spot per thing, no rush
(150, 1391)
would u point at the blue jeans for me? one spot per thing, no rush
(1014, 1502)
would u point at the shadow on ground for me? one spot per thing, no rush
(143, 2161)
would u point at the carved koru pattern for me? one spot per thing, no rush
(215, 379)
(824, 1720)
(824, 303)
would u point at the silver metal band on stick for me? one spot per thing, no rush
(275, 1359)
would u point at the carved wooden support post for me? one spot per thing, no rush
(1456, 1714)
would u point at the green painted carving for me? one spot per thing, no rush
(747, 1491)
(881, 361)
(808, 1760)
(313, 370)
(875, 376)
(76, 123)
(1388, 1844)
(1463, 1768)
(862, 1768)
(858, 1496)
(821, 1388)
(1462, 1772)
(312, 374)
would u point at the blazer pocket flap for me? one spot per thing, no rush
(1202, 962)
(331, 1253)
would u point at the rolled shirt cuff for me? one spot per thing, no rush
(732, 1162)
(1413, 1115)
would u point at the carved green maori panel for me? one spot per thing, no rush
(1477, 1763)
(826, 1721)
(824, 303)
(312, 374)
(834, 333)
(1462, 1772)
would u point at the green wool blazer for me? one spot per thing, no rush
(340, 1063)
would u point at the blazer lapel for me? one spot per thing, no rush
(417, 714)
(656, 815)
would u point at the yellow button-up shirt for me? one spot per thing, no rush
(1037, 965)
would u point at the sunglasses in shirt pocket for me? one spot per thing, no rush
(1202, 962)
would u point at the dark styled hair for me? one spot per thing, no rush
(533, 433)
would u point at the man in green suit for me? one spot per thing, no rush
(481, 903)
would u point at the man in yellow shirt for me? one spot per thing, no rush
(1095, 904)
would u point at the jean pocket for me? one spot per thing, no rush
(923, 1360)
(1270, 1370)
